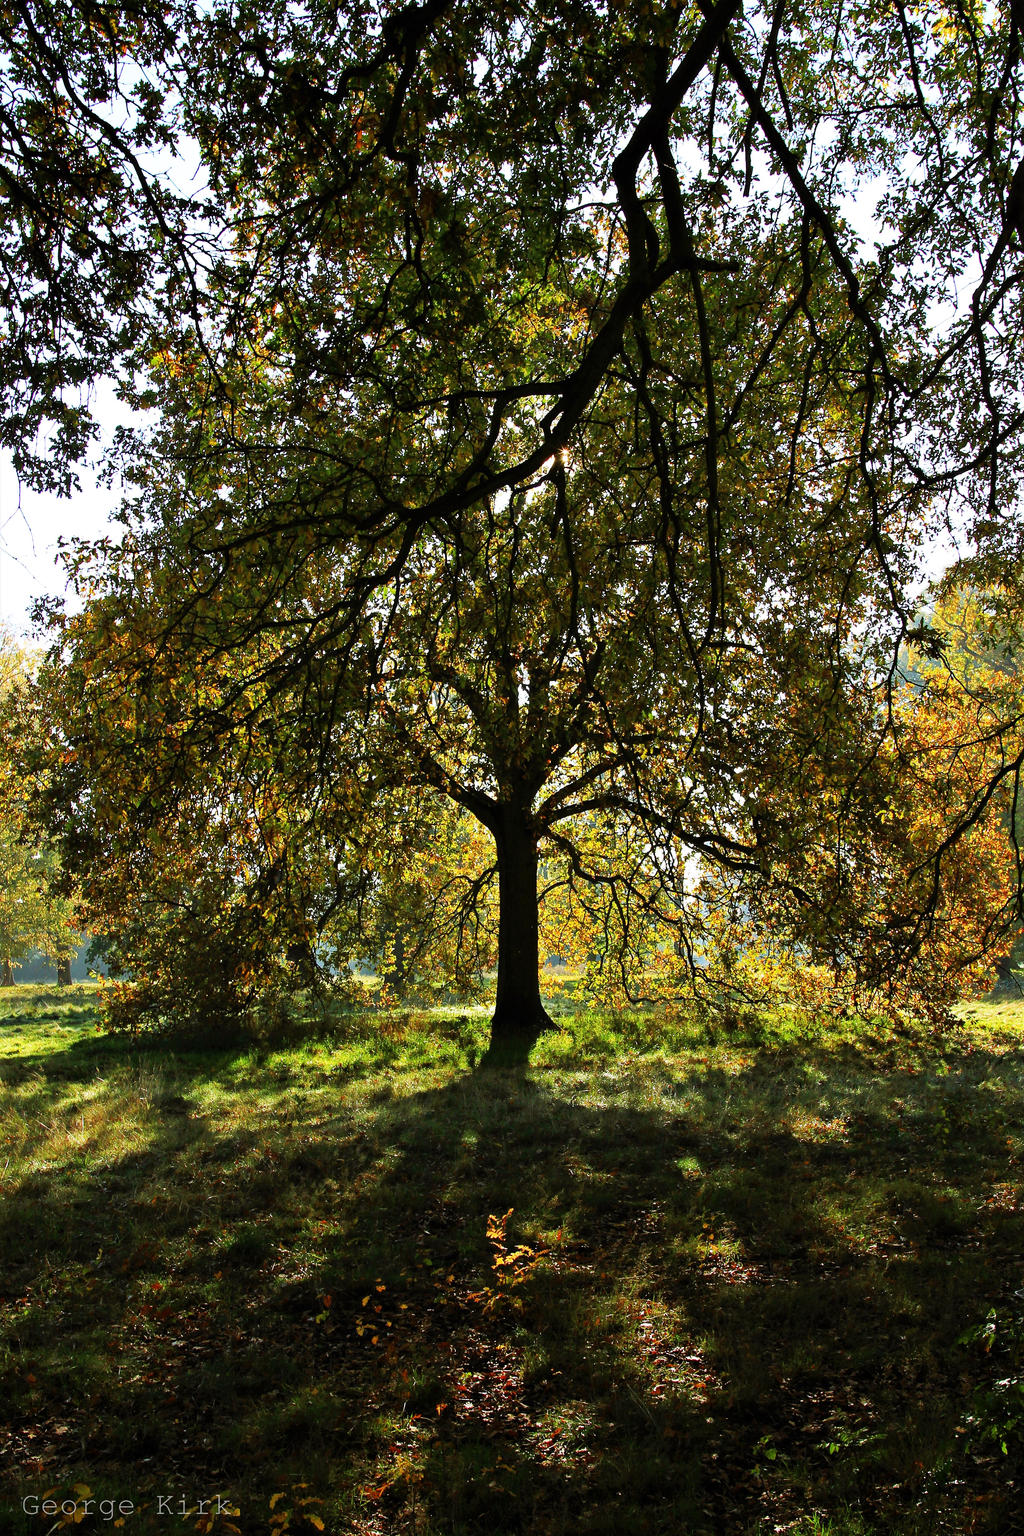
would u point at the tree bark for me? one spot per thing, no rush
(7, 977)
(63, 973)
(397, 978)
(300, 957)
(519, 1015)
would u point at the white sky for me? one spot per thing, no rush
(30, 527)
(31, 524)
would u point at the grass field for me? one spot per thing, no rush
(659, 1281)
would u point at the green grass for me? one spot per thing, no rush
(729, 1296)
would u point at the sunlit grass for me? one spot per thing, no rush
(728, 1296)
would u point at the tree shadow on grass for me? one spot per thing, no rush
(714, 1302)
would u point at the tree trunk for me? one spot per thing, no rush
(300, 957)
(397, 978)
(519, 1015)
(7, 978)
(63, 973)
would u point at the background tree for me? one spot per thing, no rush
(34, 913)
(969, 681)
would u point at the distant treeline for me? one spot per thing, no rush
(36, 968)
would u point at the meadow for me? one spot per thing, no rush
(664, 1279)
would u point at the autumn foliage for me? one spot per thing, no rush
(524, 523)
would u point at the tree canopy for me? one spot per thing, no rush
(549, 410)
(35, 914)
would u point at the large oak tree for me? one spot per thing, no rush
(592, 378)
